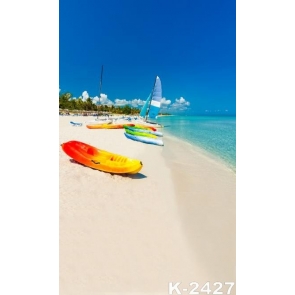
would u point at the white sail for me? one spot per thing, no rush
(155, 104)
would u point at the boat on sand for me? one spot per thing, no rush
(98, 159)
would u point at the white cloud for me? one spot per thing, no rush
(180, 104)
(137, 102)
(95, 99)
(85, 95)
(121, 102)
(103, 100)
(165, 103)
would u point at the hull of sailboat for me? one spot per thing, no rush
(153, 124)
(145, 139)
(95, 158)
(145, 126)
(149, 124)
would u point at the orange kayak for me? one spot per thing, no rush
(95, 158)
(107, 126)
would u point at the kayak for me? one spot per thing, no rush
(95, 158)
(107, 126)
(138, 133)
(144, 139)
(76, 124)
(145, 127)
(149, 131)
(96, 122)
(150, 124)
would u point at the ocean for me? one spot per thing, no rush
(215, 135)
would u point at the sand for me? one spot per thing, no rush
(174, 221)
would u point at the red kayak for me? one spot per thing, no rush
(95, 158)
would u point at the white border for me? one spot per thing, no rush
(265, 147)
(29, 148)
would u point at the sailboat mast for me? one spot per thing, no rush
(146, 115)
(100, 86)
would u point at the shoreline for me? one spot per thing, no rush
(205, 189)
(208, 150)
(195, 148)
(137, 233)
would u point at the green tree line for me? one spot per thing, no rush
(66, 101)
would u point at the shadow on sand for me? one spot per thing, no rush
(135, 176)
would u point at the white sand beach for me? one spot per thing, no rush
(174, 221)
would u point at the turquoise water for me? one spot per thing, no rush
(214, 134)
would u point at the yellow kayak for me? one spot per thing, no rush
(95, 158)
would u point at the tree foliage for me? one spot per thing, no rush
(66, 101)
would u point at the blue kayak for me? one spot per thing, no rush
(76, 124)
(145, 139)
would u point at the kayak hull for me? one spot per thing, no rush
(76, 124)
(95, 158)
(141, 130)
(107, 126)
(139, 133)
(141, 126)
(145, 139)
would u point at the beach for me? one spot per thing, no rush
(174, 221)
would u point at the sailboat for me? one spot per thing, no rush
(100, 120)
(151, 108)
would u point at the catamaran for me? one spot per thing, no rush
(151, 108)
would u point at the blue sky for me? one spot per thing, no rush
(189, 44)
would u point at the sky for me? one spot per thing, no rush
(189, 44)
